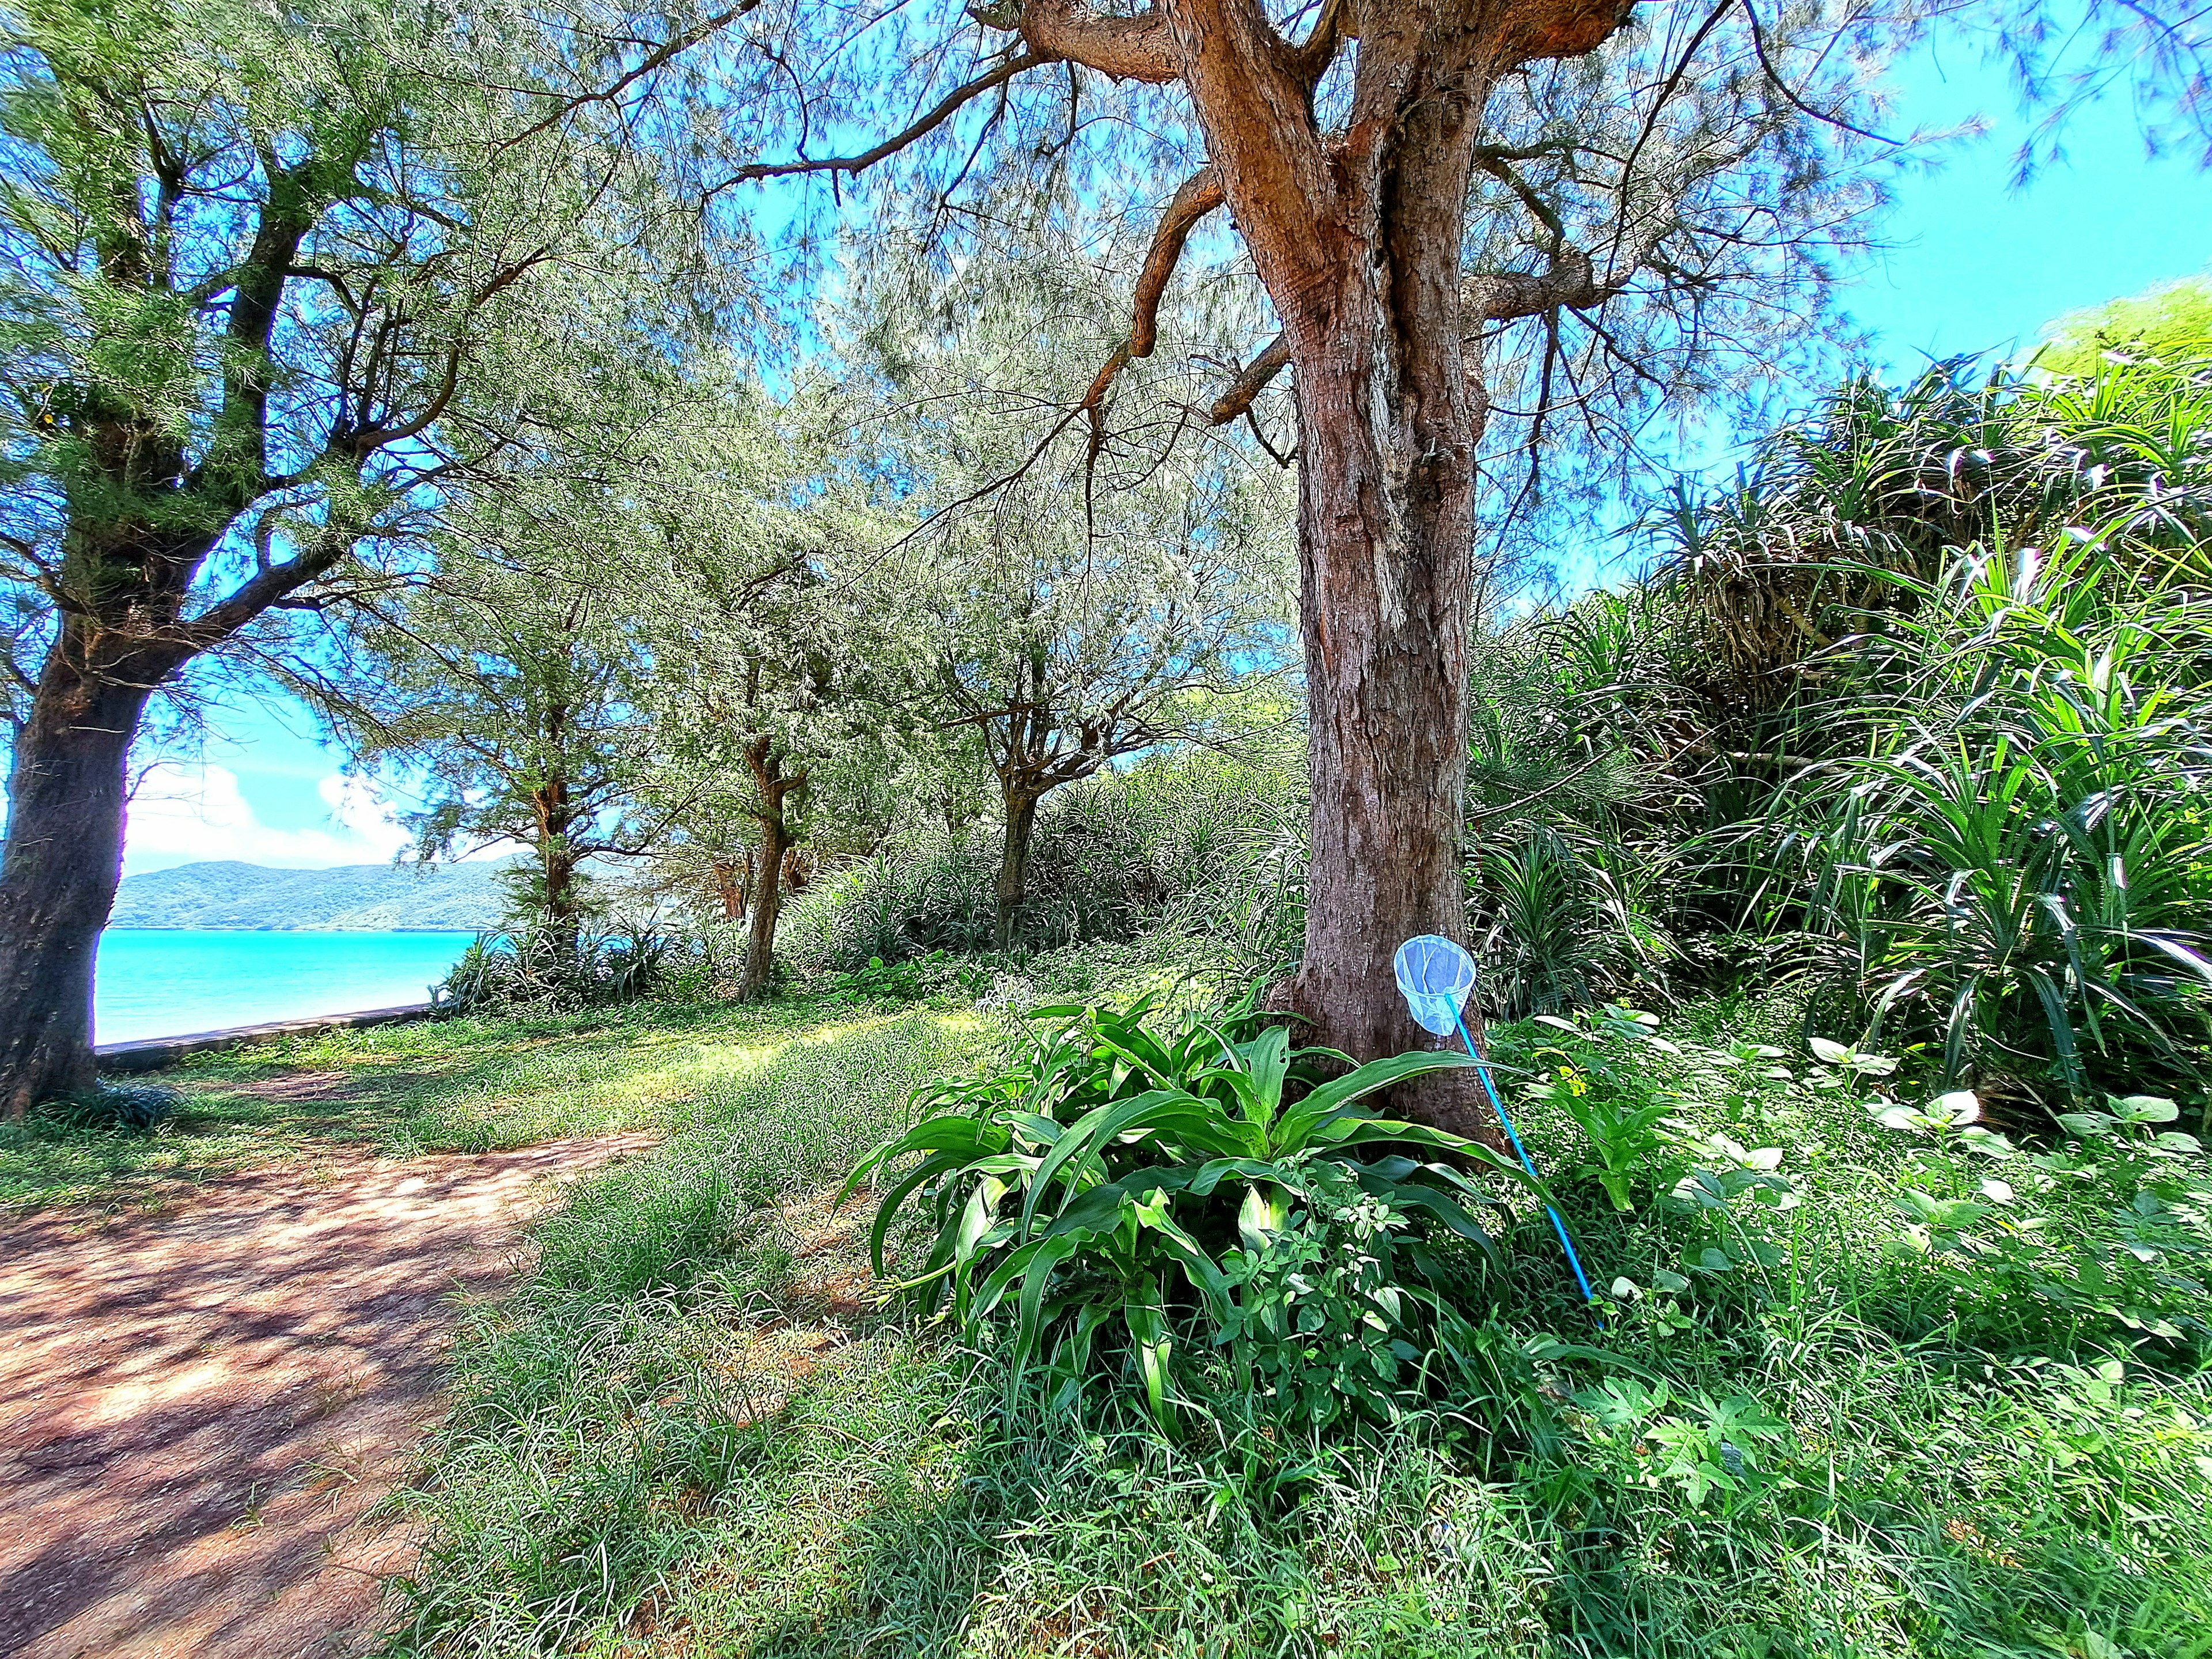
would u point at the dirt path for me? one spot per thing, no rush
(197, 1410)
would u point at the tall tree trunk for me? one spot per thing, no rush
(776, 789)
(1360, 250)
(63, 860)
(767, 903)
(1014, 865)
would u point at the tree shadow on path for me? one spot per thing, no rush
(201, 1408)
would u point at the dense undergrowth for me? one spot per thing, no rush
(1883, 793)
(1814, 1414)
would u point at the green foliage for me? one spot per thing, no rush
(1835, 1442)
(1707, 1446)
(2172, 323)
(221, 340)
(549, 968)
(2001, 1238)
(1133, 1196)
(1562, 932)
(136, 1108)
(1627, 1131)
(2021, 865)
(1188, 844)
(1566, 883)
(1909, 719)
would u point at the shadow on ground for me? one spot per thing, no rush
(202, 1407)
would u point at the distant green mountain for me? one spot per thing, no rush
(378, 897)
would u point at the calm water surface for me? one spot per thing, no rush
(159, 981)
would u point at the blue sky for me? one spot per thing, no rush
(1978, 266)
(1973, 265)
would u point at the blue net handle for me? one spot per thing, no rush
(1436, 977)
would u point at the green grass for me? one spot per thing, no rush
(637, 1464)
(468, 1085)
(689, 1428)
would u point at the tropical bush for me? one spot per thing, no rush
(1193, 843)
(1908, 722)
(1173, 1203)
(2018, 871)
(545, 968)
(1863, 1376)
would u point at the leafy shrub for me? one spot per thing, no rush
(1192, 844)
(542, 967)
(1134, 1197)
(1992, 1225)
(1631, 1134)
(2020, 872)
(122, 1108)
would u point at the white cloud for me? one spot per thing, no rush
(184, 814)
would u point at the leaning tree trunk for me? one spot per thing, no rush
(1014, 867)
(63, 860)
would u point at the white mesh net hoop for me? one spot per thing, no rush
(1436, 977)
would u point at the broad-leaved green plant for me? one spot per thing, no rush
(1135, 1194)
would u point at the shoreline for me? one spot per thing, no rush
(157, 928)
(154, 1054)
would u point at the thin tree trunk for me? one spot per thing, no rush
(557, 863)
(1014, 866)
(564, 918)
(767, 903)
(58, 873)
(797, 869)
(776, 789)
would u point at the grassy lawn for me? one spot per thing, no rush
(469, 1085)
(693, 1430)
(694, 1426)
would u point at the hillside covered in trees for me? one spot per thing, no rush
(464, 897)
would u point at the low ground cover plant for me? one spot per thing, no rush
(1181, 1203)
(1842, 1395)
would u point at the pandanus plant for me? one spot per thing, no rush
(1108, 1192)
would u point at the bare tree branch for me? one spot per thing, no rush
(1198, 195)
(1237, 400)
(854, 165)
(1139, 48)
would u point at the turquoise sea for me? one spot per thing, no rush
(161, 982)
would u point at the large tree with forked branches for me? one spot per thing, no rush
(1488, 230)
(271, 278)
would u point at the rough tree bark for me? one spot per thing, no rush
(63, 860)
(1357, 235)
(1014, 864)
(732, 878)
(777, 788)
